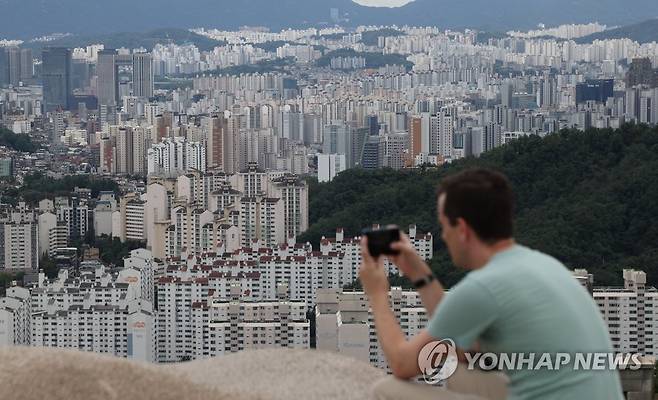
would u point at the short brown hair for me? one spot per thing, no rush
(484, 199)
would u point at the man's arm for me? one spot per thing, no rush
(401, 354)
(430, 294)
(415, 268)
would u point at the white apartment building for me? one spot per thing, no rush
(293, 191)
(175, 156)
(15, 311)
(138, 272)
(126, 330)
(197, 215)
(258, 269)
(105, 208)
(261, 218)
(185, 230)
(95, 310)
(194, 323)
(330, 165)
(131, 218)
(19, 242)
(58, 237)
(47, 221)
(344, 322)
(630, 314)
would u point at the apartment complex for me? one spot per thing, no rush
(259, 269)
(194, 323)
(199, 212)
(344, 322)
(95, 310)
(630, 312)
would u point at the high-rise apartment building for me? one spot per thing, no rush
(213, 129)
(14, 65)
(75, 215)
(175, 156)
(338, 140)
(89, 309)
(4, 67)
(27, 65)
(293, 192)
(344, 322)
(194, 324)
(629, 313)
(19, 242)
(330, 165)
(142, 75)
(107, 84)
(15, 313)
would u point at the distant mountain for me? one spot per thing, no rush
(29, 18)
(133, 40)
(644, 32)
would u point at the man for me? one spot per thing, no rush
(514, 300)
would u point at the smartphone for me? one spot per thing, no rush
(380, 239)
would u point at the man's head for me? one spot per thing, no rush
(475, 212)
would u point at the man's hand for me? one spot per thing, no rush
(407, 260)
(372, 273)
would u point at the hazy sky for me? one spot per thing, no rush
(383, 3)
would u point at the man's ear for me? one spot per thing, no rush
(463, 229)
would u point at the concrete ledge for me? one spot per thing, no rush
(41, 373)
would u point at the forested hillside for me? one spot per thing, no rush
(587, 198)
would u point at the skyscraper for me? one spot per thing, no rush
(14, 65)
(640, 72)
(108, 78)
(338, 140)
(213, 129)
(4, 70)
(26, 71)
(373, 153)
(598, 90)
(506, 91)
(143, 75)
(56, 75)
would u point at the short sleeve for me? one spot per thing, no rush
(464, 314)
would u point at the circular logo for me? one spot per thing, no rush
(438, 361)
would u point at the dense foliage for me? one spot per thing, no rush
(587, 198)
(260, 67)
(643, 32)
(373, 60)
(37, 187)
(113, 251)
(483, 36)
(6, 280)
(17, 142)
(371, 38)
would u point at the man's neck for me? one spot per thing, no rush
(486, 252)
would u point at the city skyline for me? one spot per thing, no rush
(189, 193)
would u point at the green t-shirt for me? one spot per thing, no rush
(525, 301)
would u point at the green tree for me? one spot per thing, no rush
(587, 198)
